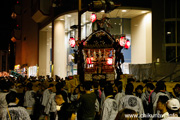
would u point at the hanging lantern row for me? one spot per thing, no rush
(124, 42)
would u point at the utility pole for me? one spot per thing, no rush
(80, 60)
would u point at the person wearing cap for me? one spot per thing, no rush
(173, 106)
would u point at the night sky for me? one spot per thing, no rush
(6, 21)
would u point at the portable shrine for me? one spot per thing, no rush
(99, 56)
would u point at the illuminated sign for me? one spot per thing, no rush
(16, 67)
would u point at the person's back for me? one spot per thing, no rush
(5, 90)
(109, 108)
(29, 99)
(46, 94)
(160, 91)
(146, 98)
(16, 113)
(13, 111)
(87, 103)
(130, 101)
(3, 103)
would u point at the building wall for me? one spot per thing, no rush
(158, 30)
(18, 57)
(141, 48)
(60, 49)
(42, 52)
(29, 38)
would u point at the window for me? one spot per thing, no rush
(178, 53)
(178, 8)
(170, 53)
(178, 32)
(170, 8)
(170, 32)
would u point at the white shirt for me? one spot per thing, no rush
(171, 118)
(165, 115)
(109, 109)
(118, 97)
(131, 102)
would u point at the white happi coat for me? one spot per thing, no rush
(131, 102)
(109, 109)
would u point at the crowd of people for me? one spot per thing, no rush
(46, 99)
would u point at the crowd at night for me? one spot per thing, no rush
(48, 99)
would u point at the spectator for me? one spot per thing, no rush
(13, 111)
(130, 80)
(62, 112)
(5, 86)
(109, 108)
(173, 109)
(46, 94)
(127, 114)
(159, 91)
(30, 99)
(176, 91)
(146, 97)
(87, 104)
(75, 96)
(60, 88)
(161, 105)
(139, 90)
(50, 108)
(130, 101)
(120, 93)
(102, 84)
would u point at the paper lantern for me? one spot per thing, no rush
(72, 42)
(88, 61)
(128, 44)
(109, 61)
(93, 17)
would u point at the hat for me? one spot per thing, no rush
(173, 104)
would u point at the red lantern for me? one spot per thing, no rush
(122, 41)
(88, 60)
(127, 45)
(72, 42)
(93, 17)
(109, 61)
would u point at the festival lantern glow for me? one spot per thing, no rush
(72, 42)
(93, 17)
(122, 41)
(88, 60)
(109, 61)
